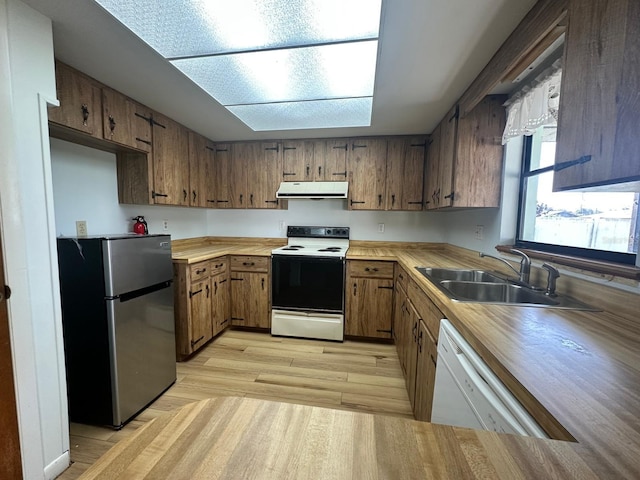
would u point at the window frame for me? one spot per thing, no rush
(592, 254)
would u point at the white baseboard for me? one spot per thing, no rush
(58, 466)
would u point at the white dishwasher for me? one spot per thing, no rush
(468, 394)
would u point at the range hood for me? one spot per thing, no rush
(313, 190)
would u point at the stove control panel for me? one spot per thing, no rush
(318, 232)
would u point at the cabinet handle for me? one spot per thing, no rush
(198, 271)
(319, 171)
(420, 342)
(241, 197)
(211, 201)
(207, 287)
(248, 264)
(112, 124)
(192, 294)
(262, 283)
(451, 195)
(379, 200)
(215, 288)
(400, 276)
(85, 114)
(413, 331)
(308, 170)
(393, 200)
(194, 196)
(184, 193)
(355, 289)
(193, 342)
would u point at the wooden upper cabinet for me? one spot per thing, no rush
(244, 179)
(367, 162)
(170, 162)
(330, 160)
(405, 173)
(464, 161)
(448, 138)
(265, 176)
(431, 178)
(599, 109)
(80, 101)
(201, 171)
(223, 158)
(125, 121)
(477, 178)
(298, 161)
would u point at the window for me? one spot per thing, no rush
(598, 225)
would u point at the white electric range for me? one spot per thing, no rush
(308, 275)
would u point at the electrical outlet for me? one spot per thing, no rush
(165, 225)
(381, 228)
(81, 228)
(479, 233)
(282, 225)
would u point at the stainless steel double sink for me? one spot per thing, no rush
(480, 286)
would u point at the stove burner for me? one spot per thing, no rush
(291, 248)
(330, 249)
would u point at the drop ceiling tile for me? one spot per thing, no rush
(348, 112)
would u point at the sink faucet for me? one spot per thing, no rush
(525, 264)
(551, 279)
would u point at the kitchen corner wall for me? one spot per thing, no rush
(85, 188)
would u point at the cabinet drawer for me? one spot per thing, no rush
(249, 264)
(218, 265)
(200, 271)
(426, 309)
(370, 269)
(401, 276)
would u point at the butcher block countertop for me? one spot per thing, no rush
(577, 372)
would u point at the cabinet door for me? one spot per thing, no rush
(431, 177)
(243, 155)
(264, 176)
(405, 173)
(398, 325)
(220, 303)
(395, 173)
(599, 109)
(411, 354)
(479, 155)
(223, 157)
(250, 299)
(369, 307)
(425, 374)
(448, 142)
(200, 314)
(80, 101)
(298, 161)
(201, 171)
(170, 162)
(117, 115)
(367, 172)
(141, 127)
(330, 156)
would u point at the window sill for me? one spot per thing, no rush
(596, 266)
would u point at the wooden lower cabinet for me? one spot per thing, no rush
(369, 299)
(250, 292)
(416, 324)
(220, 303)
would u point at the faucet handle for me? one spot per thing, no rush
(551, 279)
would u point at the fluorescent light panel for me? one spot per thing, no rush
(226, 39)
(347, 112)
(310, 73)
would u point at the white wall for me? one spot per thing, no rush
(27, 82)
(85, 188)
(398, 226)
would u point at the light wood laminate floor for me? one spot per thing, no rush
(356, 376)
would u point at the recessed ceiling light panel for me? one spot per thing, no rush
(309, 73)
(347, 112)
(180, 28)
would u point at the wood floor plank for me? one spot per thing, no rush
(340, 386)
(349, 376)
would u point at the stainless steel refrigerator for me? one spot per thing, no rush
(118, 324)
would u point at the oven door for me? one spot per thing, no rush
(306, 283)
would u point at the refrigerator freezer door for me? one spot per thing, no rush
(142, 343)
(133, 263)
